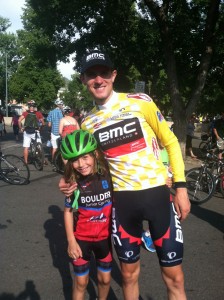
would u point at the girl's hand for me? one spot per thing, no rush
(67, 188)
(74, 251)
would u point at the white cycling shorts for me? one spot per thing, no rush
(27, 138)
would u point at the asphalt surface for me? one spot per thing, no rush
(33, 257)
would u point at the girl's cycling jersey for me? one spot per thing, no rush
(94, 208)
(127, 128)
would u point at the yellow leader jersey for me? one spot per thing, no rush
(127, 128)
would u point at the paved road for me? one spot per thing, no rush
(33, 260)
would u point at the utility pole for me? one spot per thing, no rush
(6, 84)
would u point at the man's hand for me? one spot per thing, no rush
(67, 188)
(182, 203)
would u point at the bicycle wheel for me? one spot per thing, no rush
(14, 170)
(200, 185)
(58, 162)
(38, 159)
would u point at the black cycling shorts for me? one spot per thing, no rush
(154, 205)
(102, 253)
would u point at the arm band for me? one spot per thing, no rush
(180, 184)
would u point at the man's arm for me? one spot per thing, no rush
(66, 188)
(216, 133)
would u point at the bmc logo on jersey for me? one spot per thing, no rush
(117, 132)
(121, 138)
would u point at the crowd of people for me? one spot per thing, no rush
(118, 162)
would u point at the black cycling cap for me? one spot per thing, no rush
(95, 58)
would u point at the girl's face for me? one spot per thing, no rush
(84, 164)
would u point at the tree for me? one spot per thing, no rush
(36, 76)
(174, 46)
(166, 17)
(77, 95)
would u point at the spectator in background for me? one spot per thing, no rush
(218, 130)
(15, 125)
(53, 120)
(67, 124)
(31, 125)
(190, 135)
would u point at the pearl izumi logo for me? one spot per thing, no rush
(95, 56)
(171, 255)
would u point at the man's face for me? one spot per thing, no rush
(99, 81)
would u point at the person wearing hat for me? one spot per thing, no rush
(31, 119)
(126, 126)
(53, 120)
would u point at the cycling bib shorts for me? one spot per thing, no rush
(102, 253)
(154, 205)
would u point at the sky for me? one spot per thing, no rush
(12, 10)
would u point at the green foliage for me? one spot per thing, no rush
(166, 45)
(32, 82)
(77, 95)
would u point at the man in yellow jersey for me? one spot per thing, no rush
(126, 127)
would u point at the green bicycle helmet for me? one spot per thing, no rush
(78, 143)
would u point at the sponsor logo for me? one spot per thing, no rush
(179, 234)
(169, 262)
(160, 116)
(155, 148)
(141, 96)
(117, 132)
(116, 238)
(105, 184)
(171, 255)
(95, 198)
(129, 253)
(97, 125)
(100, 218)
(95, 56)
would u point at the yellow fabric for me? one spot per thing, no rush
(141, 168)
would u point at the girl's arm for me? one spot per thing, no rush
(74, 251)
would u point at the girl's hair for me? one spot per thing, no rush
(100, 167)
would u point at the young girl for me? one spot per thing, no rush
(93, 201)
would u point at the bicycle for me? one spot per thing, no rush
(58, 161)
(202, 181)
(217, 170)
(206, 144)
(13, 169)
(36, 153)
